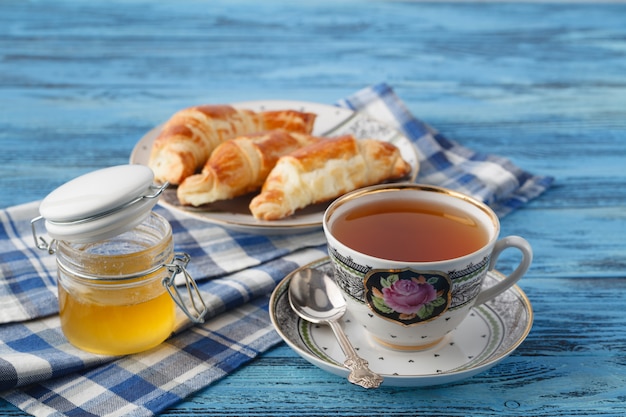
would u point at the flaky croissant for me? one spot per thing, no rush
(326, 170)
(190, 135)
(239, 166)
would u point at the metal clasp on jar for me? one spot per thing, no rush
(40, 242)
(178, 266)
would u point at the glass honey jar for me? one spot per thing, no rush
(116, 265)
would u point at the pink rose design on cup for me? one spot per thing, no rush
(408, 296)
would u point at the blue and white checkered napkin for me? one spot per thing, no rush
(43, 375)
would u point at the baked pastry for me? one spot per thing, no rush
(190, 135)
(326, 170)
(239, 166)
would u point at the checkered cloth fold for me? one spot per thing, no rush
(41, 373)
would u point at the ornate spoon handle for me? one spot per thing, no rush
(360, 374)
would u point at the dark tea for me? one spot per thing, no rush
(410, 231)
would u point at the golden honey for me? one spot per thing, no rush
(111, 294)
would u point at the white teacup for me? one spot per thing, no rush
(410, 259)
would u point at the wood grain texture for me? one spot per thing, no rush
(541, 83)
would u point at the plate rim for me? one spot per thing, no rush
(274, 226)
(430, 379)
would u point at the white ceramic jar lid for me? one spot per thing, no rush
(100, 204)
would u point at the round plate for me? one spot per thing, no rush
(489, 334)
(330, 121)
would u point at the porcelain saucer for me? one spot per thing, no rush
(489, 334)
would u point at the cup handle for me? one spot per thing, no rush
(527, 257)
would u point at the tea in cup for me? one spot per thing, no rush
(410, 259)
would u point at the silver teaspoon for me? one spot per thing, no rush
(315, 297)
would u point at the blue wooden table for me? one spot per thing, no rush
(541, 83)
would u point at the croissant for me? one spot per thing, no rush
(326, 170)
(239, 166)
(190, 135)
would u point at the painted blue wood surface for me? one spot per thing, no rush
(542, 83)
